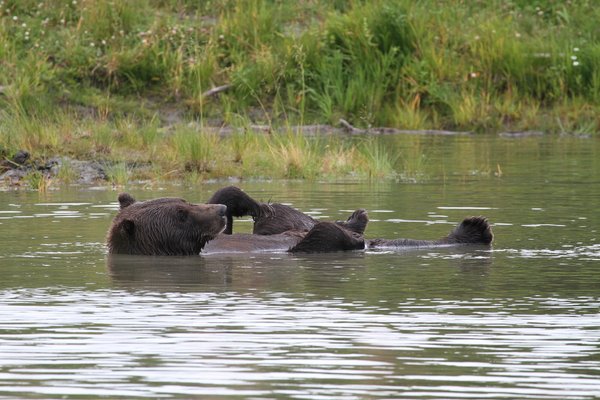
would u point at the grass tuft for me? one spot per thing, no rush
(39, 181)
(118, 174)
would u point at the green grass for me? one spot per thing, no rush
(118, 80)
(66, 173)
(118, 174)
(37, 180)
(194, 149)
(377, 161)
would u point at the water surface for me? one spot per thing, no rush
(520, 320)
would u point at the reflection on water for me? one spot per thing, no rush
(585, 253)
(520, 320)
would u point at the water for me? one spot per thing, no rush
(518, 321)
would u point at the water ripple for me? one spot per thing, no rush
(128, 344)
(585, 253)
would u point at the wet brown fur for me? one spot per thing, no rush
(472, 230)
(322, 237)
(276, 218)
(272, 218)
(172, 226)
(164, 226)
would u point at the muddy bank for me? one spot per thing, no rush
(15, 171)
(344, 129)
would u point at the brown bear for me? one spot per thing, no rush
(172, 226)
(276, 218)
(165, 226)
(324, 236)
(472, 230)
(271, 218)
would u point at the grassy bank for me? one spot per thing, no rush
(114, 79)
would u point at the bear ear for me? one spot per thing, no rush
(128, 227)
(125, 200)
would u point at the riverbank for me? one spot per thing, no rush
(141, 82)
(191, 157)
(194, 153)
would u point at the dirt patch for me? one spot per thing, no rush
(80, 172)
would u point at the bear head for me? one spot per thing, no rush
(164, 226)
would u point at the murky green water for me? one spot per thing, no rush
(519, 321)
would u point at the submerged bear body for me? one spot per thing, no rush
(472, 230)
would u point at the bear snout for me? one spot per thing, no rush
(221, 210)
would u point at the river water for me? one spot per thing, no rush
(521, 320)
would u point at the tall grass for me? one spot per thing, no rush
(297, 155)
(101, 79)
(195, 149)
(375, 63)
(376, 160)
(118, 174)
(66, 173)
(39, 181)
